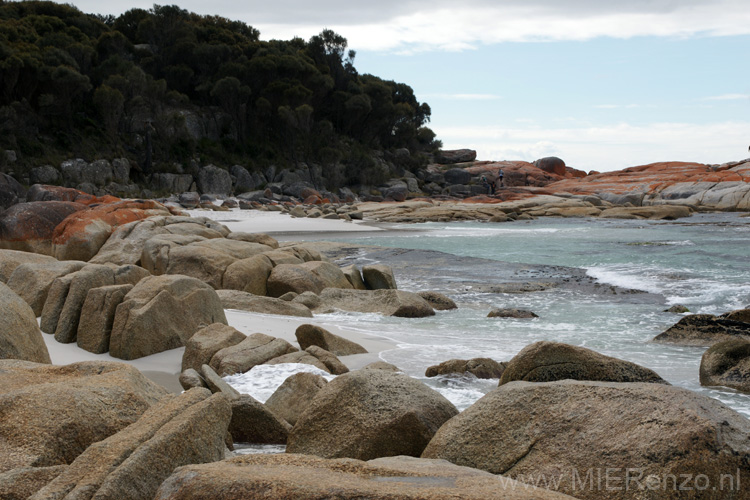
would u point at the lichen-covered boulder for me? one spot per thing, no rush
(29, 227)
(81, 235)
(125, 245)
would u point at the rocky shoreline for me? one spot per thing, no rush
(138, 278)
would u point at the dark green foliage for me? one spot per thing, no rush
(73, 84)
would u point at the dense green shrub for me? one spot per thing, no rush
(185, 86)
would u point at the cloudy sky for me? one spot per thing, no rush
(603, 84)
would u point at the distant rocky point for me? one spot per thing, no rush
(454, 187)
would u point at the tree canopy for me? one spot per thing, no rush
(78, 84)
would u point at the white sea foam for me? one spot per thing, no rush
(630, 277)
(263, 380)
(258, 449)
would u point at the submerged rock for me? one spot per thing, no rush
(512, 313)
(479, 367)
(727, 363)
(438, 301)
(549, 361)
(704, 330)
(388, 302)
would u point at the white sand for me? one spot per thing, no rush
(256, 221)
(164, 368)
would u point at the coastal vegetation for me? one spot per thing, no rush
(165, 87)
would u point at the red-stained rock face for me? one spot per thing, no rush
(43, 192)
(515, 174)
(29, 226)
(574, 172)
(653, 178)
(80, 236)
(552, 165)
(308, 192)
(313, 200)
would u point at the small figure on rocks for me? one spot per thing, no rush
(489, 184)
(500, 176)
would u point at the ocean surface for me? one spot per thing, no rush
(613, 281)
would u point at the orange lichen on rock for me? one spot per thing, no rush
(81, 234)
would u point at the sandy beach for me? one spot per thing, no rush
(164, 368)
(277, 223)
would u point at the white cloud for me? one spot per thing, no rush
(618, 106)
(463, 97)
(605, 148)
(450, 28)
(418, 25)
(727, 97)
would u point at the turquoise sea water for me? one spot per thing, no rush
(701, 262)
